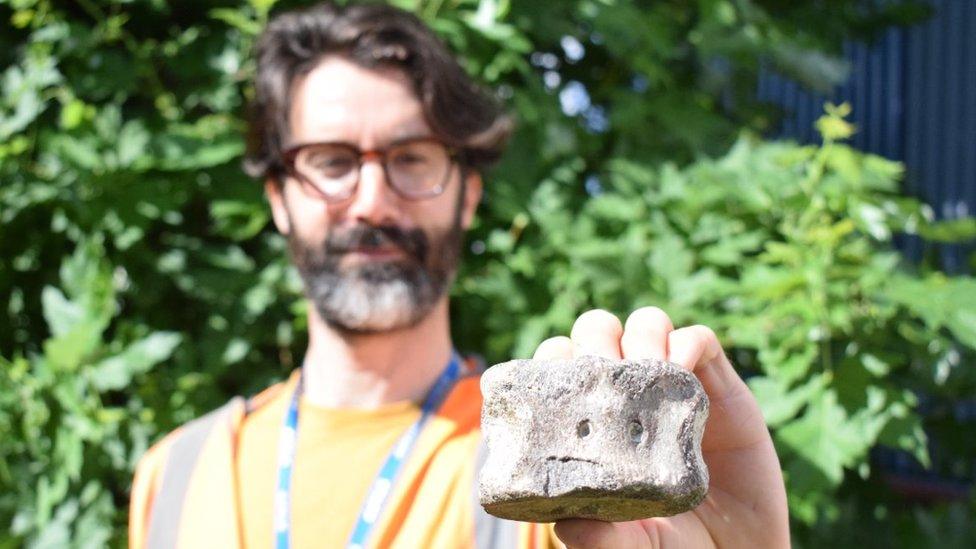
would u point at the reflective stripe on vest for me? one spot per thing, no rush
(490, 532)
(167, 506)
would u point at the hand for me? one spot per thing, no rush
(746, 502)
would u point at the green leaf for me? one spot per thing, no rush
(62, 315)
(823, 437)
(237, 348)
(939, 301)
(955, 230)
(22, 87)
(238, 219)
(262, 7)
(238, 20)
(67, 351)
(116, 372)
(670, 258)
(874, 220)
(832, 125)
(83, 152)
(875, 365)
(729, 250)
(781, 404)
(72, 114)
(830, 439)
(132, 143)
(616, 207)
(209, 141)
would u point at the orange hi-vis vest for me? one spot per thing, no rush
(186, 492)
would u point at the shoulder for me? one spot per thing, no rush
(180, 447)
(463, 404)
(166, 467)
(190, 435)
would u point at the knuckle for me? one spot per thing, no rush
(554, 347)
(689, 335)
(598, 319)
(698, 337)
(554, 341)
(649, 316)
(704, 333)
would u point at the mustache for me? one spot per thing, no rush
(413, 242)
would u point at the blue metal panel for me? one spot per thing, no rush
(915, 158)
(894, 81)
(952, 116)
(914, 98)
(968, 137)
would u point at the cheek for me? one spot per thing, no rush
(436, 224)
(308, 216)
(441, 211)
(434, 218)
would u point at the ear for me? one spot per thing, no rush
(472, 197)
(275, 191)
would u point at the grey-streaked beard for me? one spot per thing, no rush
(382, 295)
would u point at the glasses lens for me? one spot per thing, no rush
(418, 168)
(331, 169)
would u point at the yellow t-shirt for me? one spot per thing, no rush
(221, 495)
(339, 453)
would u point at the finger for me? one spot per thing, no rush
(696, 348)
(646, 334)
(597, 332)
(743, 468)
(735, 420)
(595, 534)
(554, 347)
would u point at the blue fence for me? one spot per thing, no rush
(914, 96)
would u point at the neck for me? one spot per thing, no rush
(368, 370)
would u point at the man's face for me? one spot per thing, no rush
(375, 261)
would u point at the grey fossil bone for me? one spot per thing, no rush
(591, 437)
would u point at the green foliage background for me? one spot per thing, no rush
(141, 283)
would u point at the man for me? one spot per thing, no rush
(371, 139)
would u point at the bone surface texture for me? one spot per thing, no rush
(591, 437)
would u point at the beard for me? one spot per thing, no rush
(377, 295)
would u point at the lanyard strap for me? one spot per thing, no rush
(379, 491)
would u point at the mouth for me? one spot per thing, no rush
(374, 253)
(367, 244)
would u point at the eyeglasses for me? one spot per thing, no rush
(415, 168)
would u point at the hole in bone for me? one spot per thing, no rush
(583, 429)
(636, 431)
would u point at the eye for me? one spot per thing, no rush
(326, 161)
(332, 163)
(410, 159)
(583, 429)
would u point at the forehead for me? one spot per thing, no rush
(340, 101)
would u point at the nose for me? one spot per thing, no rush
(374, 201)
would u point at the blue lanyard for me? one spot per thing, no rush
(382, 486)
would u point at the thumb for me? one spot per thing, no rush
(595, 534)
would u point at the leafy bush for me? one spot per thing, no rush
(71, 427)
(784, 250)
(141, 284)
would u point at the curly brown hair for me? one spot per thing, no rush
(460, 113)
